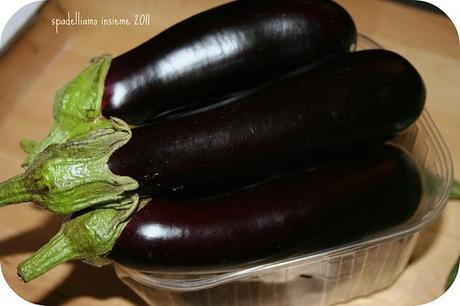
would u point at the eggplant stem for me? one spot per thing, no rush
(14, 190)
(77, 108)
(28, 145)
(58, 250)
(74, 175)
(455, 193)
(88, 237)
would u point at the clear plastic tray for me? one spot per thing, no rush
(323, 278)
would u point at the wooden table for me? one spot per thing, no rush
(42, 61)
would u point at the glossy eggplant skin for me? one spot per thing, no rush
(219, 52)
(322, 206)
(363, 98)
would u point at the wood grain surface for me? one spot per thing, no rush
(41, 61)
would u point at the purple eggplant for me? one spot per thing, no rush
(364, 98)
(325, 205)
(199, 61)
(222, 51)
(361, 99)
(317, 207)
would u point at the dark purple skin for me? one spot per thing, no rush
(364, 98)
(311, 209)
(219, 52)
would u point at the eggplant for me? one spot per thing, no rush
(223, 51)
(318, 207)
(360, 99)
(201, 60)
(306, 210)
(364, 98)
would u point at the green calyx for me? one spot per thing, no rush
(68, 171)
(88, 237)
(74, 175)
(77, 108)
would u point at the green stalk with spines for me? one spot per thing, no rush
(88, 237)
(76, 109)
(74, 175)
